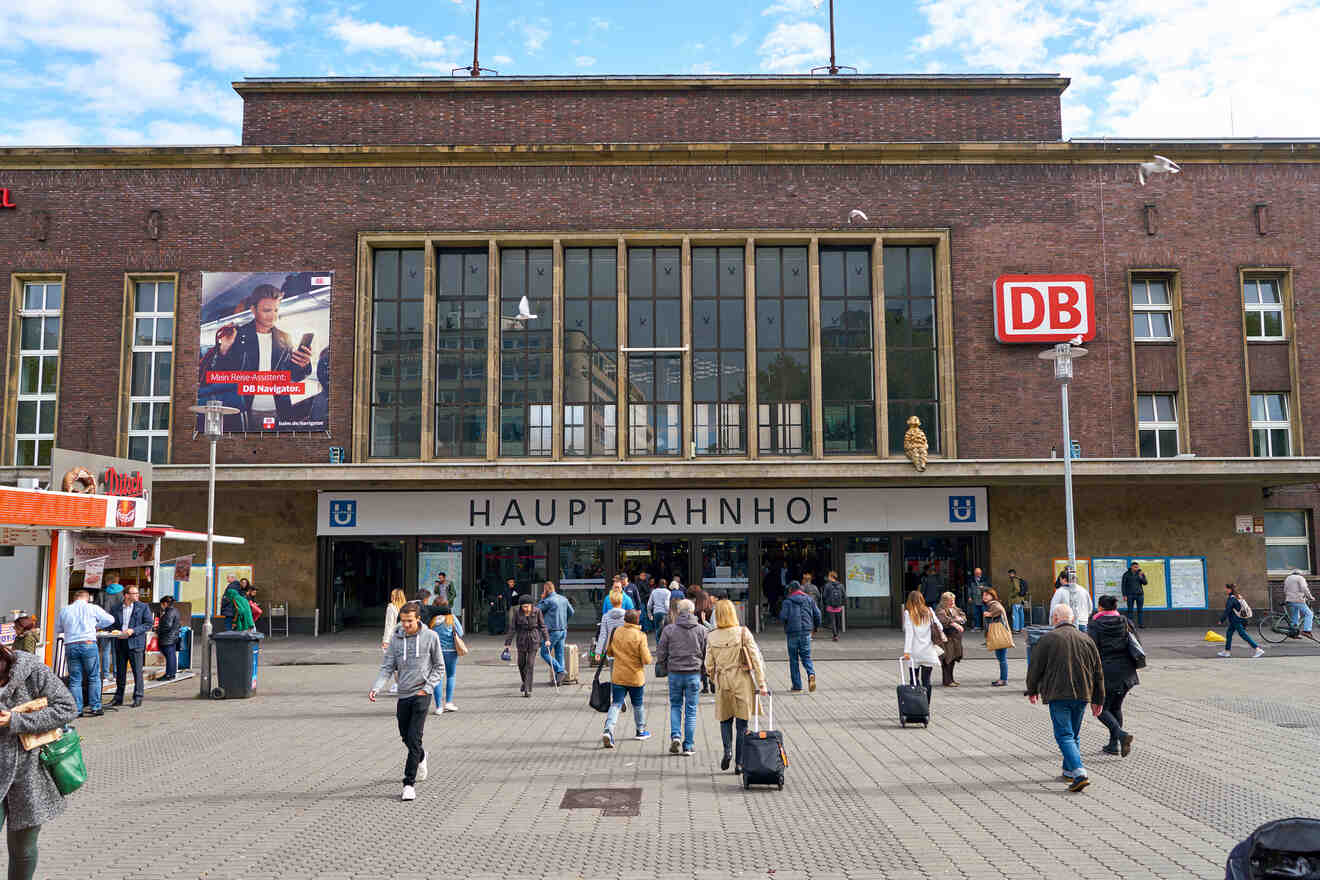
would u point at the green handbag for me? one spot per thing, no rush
(64, 759)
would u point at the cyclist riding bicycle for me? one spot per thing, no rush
(1297, 598)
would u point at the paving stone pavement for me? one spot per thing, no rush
(303, 782)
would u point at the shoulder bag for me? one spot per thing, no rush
(601, 691)
(998, 635)
(1134, 648)
(460, 646)
(63, 759)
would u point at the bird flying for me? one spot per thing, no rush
(524, 311)
(1161, 165)
(856, 216)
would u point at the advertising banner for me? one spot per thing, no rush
(265, 349)
(93, 572)
(432, 564)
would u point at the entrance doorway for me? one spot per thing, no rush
(526, 563)
(659, 559)
(785, 559)
(948, 558)
(365, 573)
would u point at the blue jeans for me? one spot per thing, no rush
(171, 654)
(451, 667)
(799, 651)
(557, 637)
(683, 688)
(1019, 617)
(1302, 610)
(84, 663)
(659, 619)
(978, 615)
(617, 693)
(107, 647)
(1235, 626)
(1139, 603)
(1067, 716)
(1001, 654)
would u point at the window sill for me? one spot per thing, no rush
(1267, 340)
(1145, 340)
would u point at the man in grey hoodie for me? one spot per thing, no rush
(682, 650)
(413, 655)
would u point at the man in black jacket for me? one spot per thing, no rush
(1134, 583)
(167, 636)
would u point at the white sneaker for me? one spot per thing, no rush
(394, 688)
(439, 710)
(1224, 654)
(450, 707)
(422, 771)
(1260, 652)
(409, 793)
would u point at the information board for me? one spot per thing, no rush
(866, 574)
(1083, 572)
(1157, 582)
(1107, 575)
(1187, 582)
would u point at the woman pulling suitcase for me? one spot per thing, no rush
(921, 637)
(733, 663)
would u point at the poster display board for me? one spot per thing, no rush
(866, 574)
(265, 349)
(1107, 576)
(227, 574)
(429, 567)
(1157, 581)
(1083, 572)
(1187, 582)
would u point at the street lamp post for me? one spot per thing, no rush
(214, 420)
(1063, 355)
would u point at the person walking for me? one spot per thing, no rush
(242, 618)
(1134, 592)
(617, 598)
(833, 597)
(414, 658)
(1075, 596)
(167, 636)
(557, 610)
(1111, 632)
(79, 621)
(735, 667)
(682, 650)
(1065, 673)
(448, 628)
(996, 613)
(921, 635)
(630, 590)
(810, 588)
(703, 605)
(28, 796)
(801, 616)
(977, 585)
(657, 605)
(613, 619)
(1233, 618)
(953, 622)
(932, 585)
(530, 632)
(628, 676)
(1297, 599)
(397, 601)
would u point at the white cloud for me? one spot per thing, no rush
(584, 61)
(795, 8)
(794, 48)
(534, 33)
(229, 35)
(600, 24)
(372, 36)
(737, 40)
(42, 133)
(503, 60)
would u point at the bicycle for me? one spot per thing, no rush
(1276, 626)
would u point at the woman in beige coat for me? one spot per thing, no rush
(733, 663)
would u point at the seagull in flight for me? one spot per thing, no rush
(524, 311)
(1161, 165)
(856, 216)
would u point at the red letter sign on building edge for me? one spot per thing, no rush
(1044, 308)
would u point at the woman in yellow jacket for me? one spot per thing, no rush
(627, 645)
(733, 663)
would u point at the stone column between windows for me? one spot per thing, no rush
(880, 369)
(360, 440)
(944, 348)
(753, 416)
(685, 271)
(429, 341)
(813, 322)
(557, 355)
(1179, 340)
(621, 430)
(492, 351)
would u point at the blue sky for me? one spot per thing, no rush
(158, 71)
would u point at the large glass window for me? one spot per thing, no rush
(398, 293)
(783, 361)
(1152, 310)
(150, 382)
(591, 351)
(1271, 431)
(1263, 303)
(582, 577)
(724, 571)
(846, 368)
(460, 359)
(911, 344)
(1157, 426)
(719, 350)
(655, 379)
(526, 372)
(1287, 541)
(39, 372)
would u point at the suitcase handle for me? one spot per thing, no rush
(910, 676)
(756, 711)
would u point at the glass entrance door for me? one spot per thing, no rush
(942, 562)
(524, 565)
(365, 573)
(583, 578)
(724, 572)
(661, 560)
(785, 559)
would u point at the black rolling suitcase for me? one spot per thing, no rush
(913, 704)
(764, 758)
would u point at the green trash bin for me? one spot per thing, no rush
(236, 659)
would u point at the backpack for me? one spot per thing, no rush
(833, 594)
(1243, 609)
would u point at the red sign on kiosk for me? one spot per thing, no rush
(1044, 308)
(5, 201)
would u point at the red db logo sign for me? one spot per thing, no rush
(1044, 308)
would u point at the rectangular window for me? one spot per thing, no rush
(1271, 432)
(719, 350)
(1263, 301)
(1287, 541)
(1157, 426)
(655, 379)
(911, 351)
(783, 359)
(1152, 310)
(527, 278)
(398, 291)
(151, 377)
(38, 371)
(461, 304)
(591, 351)
(846, 367)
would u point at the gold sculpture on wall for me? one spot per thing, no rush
(914, 444)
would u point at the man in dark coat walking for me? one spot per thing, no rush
(1134, 591)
